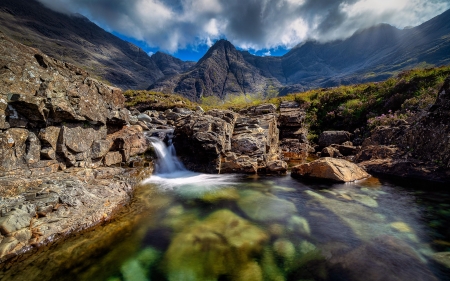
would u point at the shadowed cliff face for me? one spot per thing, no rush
(221, 72)
(77, 40)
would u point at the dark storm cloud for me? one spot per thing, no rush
(257, 24)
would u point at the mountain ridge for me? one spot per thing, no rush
(74, 38)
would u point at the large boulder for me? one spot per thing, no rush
(330, 169)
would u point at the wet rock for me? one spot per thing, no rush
(250, 271)
(277, 166)
(442, 258)
(330, 169)
(299, 225)
(328, 138)
(395, 260)
(223, 194)
(238, 164)
(13, 221)
(364, 199)
(144, 118)
(7, 245)
(222, 244)
(285, 250)
(265, 208)
(133, 271)
(23, 235)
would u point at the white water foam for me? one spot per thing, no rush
(170, 173)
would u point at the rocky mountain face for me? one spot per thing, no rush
(373, 54)
(222, 71)
(77, 40)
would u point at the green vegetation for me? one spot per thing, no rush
(351, 107)
(156, 100)
(338, 108)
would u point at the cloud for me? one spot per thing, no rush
(250, 24)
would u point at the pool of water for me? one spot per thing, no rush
(231, 227)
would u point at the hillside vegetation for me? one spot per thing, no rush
(339, 108)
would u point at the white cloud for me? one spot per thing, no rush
(250, 24)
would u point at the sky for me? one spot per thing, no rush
(187, 28)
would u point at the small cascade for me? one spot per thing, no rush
(168, 162)
(170, 172)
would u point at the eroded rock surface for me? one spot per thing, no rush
(331, 169)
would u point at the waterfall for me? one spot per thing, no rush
(168, 162)
(170, 173)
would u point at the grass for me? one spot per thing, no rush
(338, 108)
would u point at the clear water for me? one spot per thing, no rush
(188, 226)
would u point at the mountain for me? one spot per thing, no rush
(373, 54)
(77, 40)
(222, 71)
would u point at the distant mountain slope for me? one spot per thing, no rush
(77, 40)
(372, 54)
(222, 71)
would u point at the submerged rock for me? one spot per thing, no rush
(222, 244)
(265, 208)
(331, 169)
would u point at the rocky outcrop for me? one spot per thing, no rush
(58, 129)
(227, 142)
(420, 149)
(330, 169)
(294, 143)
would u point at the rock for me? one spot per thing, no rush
(13, 221)
(238, 164)
(265, 208)
(396, 260)
(144, 118)
(12, 149)
(277, 166)
(112, 158)
(347, 150)
(7, 245)
(33, 148)
(261, 109)
(330, 152)
(49, 136)
(100, 148)
(299, 225)
(23, 235)
(371, 152)
(442, 258)
(330, 169)
(48, 154)
(223, 194)
(285, 250)
(294, 150)
(328, 138)
(201, 140)
(80, 138)
(133, 271)
(222, 244)
(250, 271)
(130, 141)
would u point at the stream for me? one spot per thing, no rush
(189, 226)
